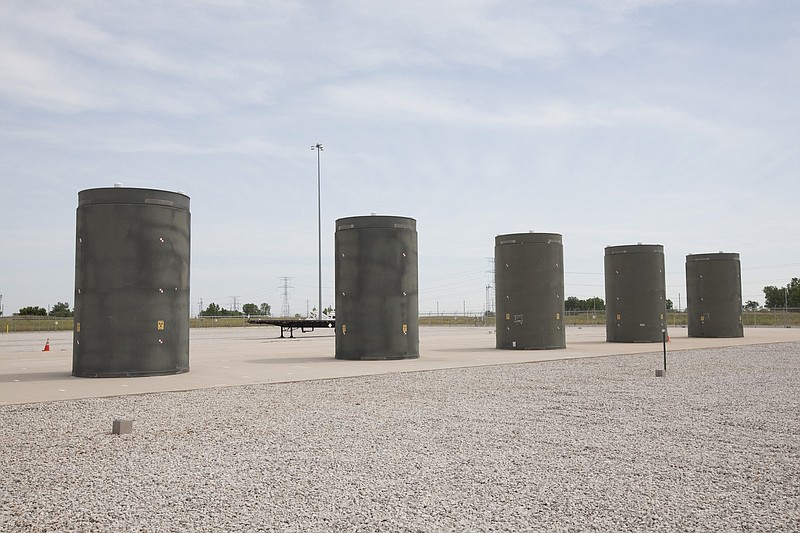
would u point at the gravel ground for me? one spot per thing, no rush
(591, 444)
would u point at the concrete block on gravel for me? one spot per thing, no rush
(122, 427)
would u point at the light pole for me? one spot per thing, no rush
(318, 147)
(785, 306)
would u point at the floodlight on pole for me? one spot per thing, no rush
(318, 147)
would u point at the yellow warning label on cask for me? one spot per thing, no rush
(160, 325)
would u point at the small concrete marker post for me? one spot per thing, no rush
(122, 427)
(659, 372)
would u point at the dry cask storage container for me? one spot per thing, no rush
(529, 281)
(131, 283)
(377, 302)
(635, 293)
(714, 295)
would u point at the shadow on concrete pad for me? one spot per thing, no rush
(296, 338)
(465, 350)
(290, 360)
(34, 376)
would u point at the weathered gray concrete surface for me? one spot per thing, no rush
(238, 356)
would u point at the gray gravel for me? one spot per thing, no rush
(593, 444)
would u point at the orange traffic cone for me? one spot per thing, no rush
(46, 346)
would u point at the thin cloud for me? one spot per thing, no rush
(395, 101)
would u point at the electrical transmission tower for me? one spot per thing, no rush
(286, 285)
(234, 303)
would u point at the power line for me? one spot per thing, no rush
(771, 266)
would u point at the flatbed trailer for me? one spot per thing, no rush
(290, 324)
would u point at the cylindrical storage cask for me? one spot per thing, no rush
(377, 300)
(714, 295)
(131, 283)
(529, 288)
(636, 309)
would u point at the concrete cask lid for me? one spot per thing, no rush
(720, 256)
(635, 249)
(521, 238)
(130, 195)
(376, 221)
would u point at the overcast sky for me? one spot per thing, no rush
(656, 121)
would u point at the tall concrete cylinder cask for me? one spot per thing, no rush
(714, 295)
(529, 288)
(131, 283)
(636, 309)
(377, 300)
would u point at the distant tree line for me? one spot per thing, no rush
(61, 309)
(777, 297)
(247, 309)
(573, 303)
(750, 305)
(593, 304)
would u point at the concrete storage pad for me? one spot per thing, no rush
(239, 356)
